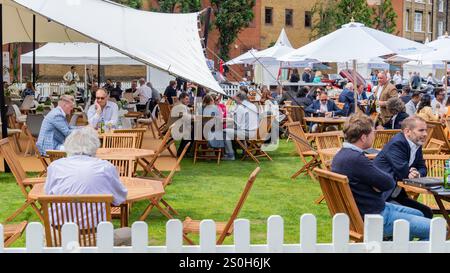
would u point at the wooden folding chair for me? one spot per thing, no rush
(339, 199)
(27, 104)
(138, 132)
(304, 150)
(55, 155)
(125, 167)
(23, 182)
(202, 150)
(253, 149)
(327, 140)
(114, 140)
(382, 137)
(31, 128)
(437, 132)
(150, 121)
(434, 146)
(32, 143)
(155, 202)
(84, 210)
(223, 229)
(12, 232)
(164, 109)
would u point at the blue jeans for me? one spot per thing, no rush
(419, 226)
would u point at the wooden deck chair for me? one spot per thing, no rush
(32, 143)
(150, 120)
(12, 232)
(125, 167)
(138, 132)
(382, 137)
(202, 150)
(339, 199)
(434, 146)
(296, 113)
(164, 109)
(223, 229)
(31, 128)
(155, 203)
(438, 133)
(55, 154)
(74, 208)
(149, 165)
(114, 140)
(304, 150)
(254, 146)
(23, 182)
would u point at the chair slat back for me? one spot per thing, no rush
(128, 96)
(174, 169)
(138, 132)
(265, 127)
(164, 109)
(28, 103)
(84, 210)
(295, 129)
(438, 133)
(55, 155)
(34, 123)
(165, 141)
(14, 164)
(125, 167)
(114, 140)
(435, 165)
(339, 198)
(329, 140)
(239, 205)
(382, 137)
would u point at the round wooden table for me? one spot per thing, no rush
(324, 122)
(123, 153)
(138, 189)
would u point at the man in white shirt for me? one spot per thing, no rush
(411, 106)
(144, 93)
(398, 80)
(439, 102)
(245, 121)
(82, 173)
(103, 110)
(71, 75)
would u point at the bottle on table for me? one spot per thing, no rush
(446, 174)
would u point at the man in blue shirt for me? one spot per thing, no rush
(103, 110)
(368, 182)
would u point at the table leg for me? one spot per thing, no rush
(442, 208)
(124, 215)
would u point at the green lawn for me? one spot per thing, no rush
(210, 191)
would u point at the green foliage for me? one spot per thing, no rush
(185, 6)
(385, 16)
(324, 17)
(231, 17)
(136, 4)
(356, 9)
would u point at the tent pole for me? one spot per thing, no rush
(446, 76)
(34, 51)
(85, 82)
(355, 85)
(98, 67)
(2, 94)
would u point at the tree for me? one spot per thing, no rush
(231, 17)
(136, 4)
(385, 17)
(353, 9)
(324, 17)
(172, 6)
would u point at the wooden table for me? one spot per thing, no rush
(324, 122)
(123, 153)
(138, 189)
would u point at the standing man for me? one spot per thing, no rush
(55, 128)
(398, 80)
(383, 92)
(71, 76)
(133, 87)
(171, 91)
(439, 102)
(103, 110)
(144, 93)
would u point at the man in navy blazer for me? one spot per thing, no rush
(348, 97)
(402, 158)
(324, 107)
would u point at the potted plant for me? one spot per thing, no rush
(39, 109)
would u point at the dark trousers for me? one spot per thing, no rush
(404, 200)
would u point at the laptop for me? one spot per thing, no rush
(424, 182)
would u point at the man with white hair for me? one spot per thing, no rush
(348, 97)
(64, 176)
(144, 93)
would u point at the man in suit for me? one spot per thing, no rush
(324, 107)
(55, 128)
(397, 109)
(402, 158)
(382, 93)
(348, 97)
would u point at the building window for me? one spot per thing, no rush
(441, 5)
(407, 20)
(440, 29)
(268, 15)
(429, 22)
(418, 21)
(308, 19)
(288, 17)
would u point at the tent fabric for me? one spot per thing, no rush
(169, 42)
(354, 41)
(238, 59)
(77, 54)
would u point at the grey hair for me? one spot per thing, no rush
(395, 106)
(241, 96)
(83, 141)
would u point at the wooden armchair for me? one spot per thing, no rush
(328, 140)
(23, 182)
(114, 140)
(339, 199)
(253, 149)
(201, 148)
(84, 210)
(436, 131)
(296, 113)
(223, 229)
(382, 137)
(138, 132)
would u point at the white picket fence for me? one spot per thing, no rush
(373, 238)
(230, 90)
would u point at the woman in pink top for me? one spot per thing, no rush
(221, 106)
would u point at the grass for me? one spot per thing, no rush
(210, 191)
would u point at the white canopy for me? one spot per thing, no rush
(271, 54)
(238, 60)
(166, 41)
(77, 53)
(354, 41)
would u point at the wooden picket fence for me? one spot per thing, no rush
(373, 238)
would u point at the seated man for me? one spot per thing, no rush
(181, 118)
(396, 108)
(402, 158)
(368, 182)
(55, 128)
(348, 97)
(103, 110)
(97, 176)
(245, 124)
(324, 107)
